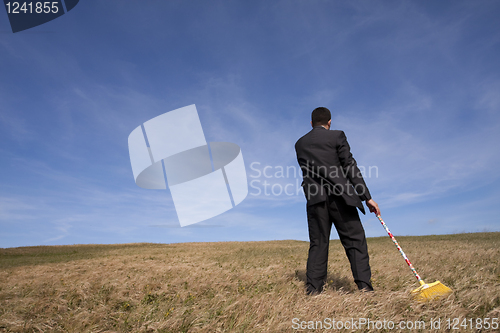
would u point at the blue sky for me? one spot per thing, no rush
(415, 85)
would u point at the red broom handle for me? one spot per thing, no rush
(400, 250)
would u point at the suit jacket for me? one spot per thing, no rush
(329, 168)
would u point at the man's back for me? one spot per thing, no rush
(326, 160)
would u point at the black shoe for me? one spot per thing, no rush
(365, 287)
(310, 291)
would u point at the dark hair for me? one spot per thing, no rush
(320, 116)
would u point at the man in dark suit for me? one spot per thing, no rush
(334, 187)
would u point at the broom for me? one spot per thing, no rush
(426, 291)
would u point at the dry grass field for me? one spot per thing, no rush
(244, 287)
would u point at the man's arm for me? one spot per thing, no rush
(350, 168)
(354, 175)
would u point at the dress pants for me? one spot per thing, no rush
(320, 217)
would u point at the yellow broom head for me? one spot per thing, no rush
(431, 291)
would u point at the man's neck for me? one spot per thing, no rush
(324, 126)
